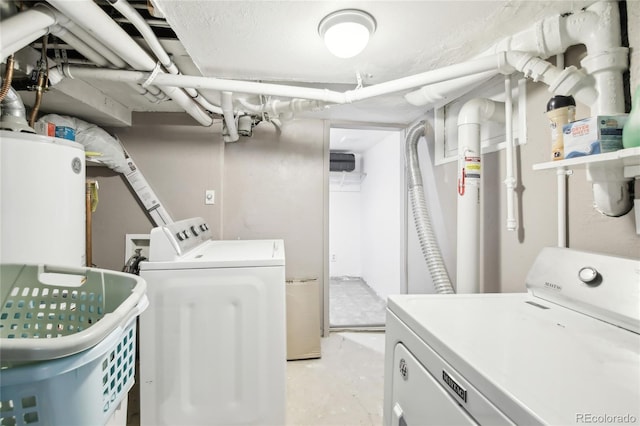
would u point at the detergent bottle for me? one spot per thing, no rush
(561, 110)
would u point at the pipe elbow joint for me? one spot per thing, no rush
(611, 195)
(478, 110)
(532, 67)
(572, 81)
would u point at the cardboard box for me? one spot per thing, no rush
(45, 128)
(303, 319)
(593, 135)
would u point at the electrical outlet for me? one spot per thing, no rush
(333, 257)
(210, 196)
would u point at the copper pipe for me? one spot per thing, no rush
(88, 238)
(6, 84)
(38, 101)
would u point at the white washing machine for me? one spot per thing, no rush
(212, 342)
(566, 352)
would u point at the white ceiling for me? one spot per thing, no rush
(277, 41)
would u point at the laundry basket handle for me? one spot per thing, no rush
(71, 270)
(60, 275)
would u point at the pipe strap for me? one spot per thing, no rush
(152, 76)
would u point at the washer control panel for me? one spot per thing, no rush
(172, 240)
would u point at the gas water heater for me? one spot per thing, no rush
(42, 200)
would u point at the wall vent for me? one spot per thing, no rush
(342, 162)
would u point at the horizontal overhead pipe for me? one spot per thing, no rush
(324, 95)
(569, 80)
(277, 107)
(440, 93)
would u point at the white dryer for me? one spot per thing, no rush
(212, 342)
(566, 352)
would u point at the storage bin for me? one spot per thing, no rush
(67, 343)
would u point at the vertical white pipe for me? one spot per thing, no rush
(468, 233)
(471, 115)
(229, 118)
(510, 179)
(561, 176)
(561, 173)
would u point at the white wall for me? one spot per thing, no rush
(345, 243)
(382, 220)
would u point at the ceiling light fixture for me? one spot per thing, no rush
(346, 32)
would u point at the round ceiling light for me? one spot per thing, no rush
(346, 32)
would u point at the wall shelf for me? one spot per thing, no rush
(346, 178)
(628, 158)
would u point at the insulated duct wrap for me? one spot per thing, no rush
(94, 139)
(426, 236)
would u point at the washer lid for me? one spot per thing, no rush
(226, 254)
(535, 360)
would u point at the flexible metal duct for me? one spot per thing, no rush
(13, 113)
(426, 236)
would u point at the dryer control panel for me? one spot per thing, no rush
(167, 242)
(602, 286)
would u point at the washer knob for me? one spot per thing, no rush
(588, 275)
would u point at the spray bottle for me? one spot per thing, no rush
(561, 110)
(631, 129)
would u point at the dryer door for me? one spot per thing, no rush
(416, 393)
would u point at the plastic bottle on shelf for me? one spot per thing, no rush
(561, 110)
(631, 129)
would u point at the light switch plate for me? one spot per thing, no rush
(210, 196)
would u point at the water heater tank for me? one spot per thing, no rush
(42, 200)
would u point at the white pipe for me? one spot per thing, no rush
(595, 27)
(610, 190)
(440, 93)
(11, 48)
(149, 36)
(89, 15)
(18, 27)
(229, 118)
(276, 107)
(62, 27)
(510, 180)
(152, 93)
(79, 45)
(471, 115)
(249, 87)
(561, 176)
(83, 35)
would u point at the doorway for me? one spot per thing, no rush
(366, 219)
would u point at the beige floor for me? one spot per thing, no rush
(344, 387)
